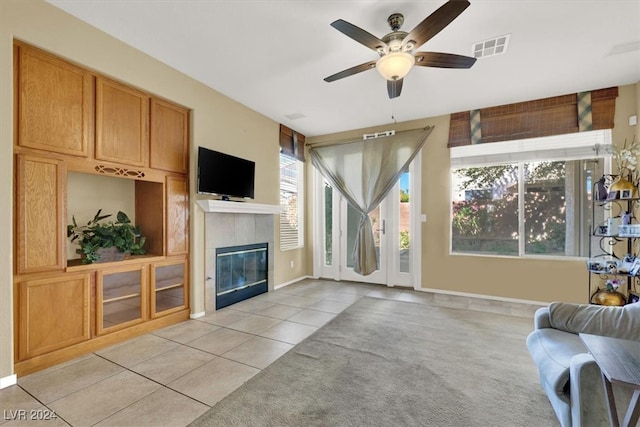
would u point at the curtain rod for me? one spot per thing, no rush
(365, 137)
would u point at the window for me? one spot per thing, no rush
(292, 202)
(529, 197)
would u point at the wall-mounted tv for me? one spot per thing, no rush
(225, 175)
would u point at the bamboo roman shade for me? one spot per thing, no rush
(543, 117)
(292, 143)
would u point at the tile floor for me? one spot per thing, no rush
(171, 376)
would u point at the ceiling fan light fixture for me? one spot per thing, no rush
(395, 65)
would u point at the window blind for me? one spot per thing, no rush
(575, 146)
(291, 200)
(532, 119)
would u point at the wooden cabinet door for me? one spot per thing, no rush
(169, 287)
(53, 313)
(177, 215)
(55, 103)
(122, 124)
(169, 147)
(40, 214)
(121, 297)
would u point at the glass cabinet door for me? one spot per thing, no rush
(168, 287)
(121, 297)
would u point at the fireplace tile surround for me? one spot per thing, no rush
(224, 229)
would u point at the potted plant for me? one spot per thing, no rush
(106, 241)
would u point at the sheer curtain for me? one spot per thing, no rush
(364, 171)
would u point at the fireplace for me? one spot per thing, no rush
(229, 225)
(241, 273)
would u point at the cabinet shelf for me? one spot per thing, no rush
(120, 298)
(77, 265)
(167, 287)
(606, 273)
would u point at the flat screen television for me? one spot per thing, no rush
(225, 175)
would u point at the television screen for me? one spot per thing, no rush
(225, 175)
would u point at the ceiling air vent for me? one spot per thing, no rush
(491, 47)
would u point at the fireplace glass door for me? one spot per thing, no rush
(241, 273)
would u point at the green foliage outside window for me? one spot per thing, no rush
(486, 223)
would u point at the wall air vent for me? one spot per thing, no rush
(495, 46)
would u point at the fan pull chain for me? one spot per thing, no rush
(393, 113)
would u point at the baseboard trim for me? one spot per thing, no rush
(291, 282)
(8, 381)
(197, 315)
(482, 296)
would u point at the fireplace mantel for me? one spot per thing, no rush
(238, 207)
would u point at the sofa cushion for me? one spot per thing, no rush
(552, 351)
(618, 322)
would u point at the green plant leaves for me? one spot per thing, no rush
(94, 235)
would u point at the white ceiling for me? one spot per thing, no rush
(272, 55)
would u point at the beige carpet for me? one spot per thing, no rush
(393, 363)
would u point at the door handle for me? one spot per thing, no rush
(384, 226)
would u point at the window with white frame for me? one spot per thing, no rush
(292, 202)
(526, 197)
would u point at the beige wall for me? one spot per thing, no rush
(541, 280)
(217, 122)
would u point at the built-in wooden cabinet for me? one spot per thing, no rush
(168, 287)
(69, 119)
(122, 123)
(40, 214)
(177, 215)
(169, 146)
(121, 297)
(54, 103)
(53, 313)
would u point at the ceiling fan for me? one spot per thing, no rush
(396, 49)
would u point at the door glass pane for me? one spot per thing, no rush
(328, 224)
(405, 222)
(353, 221)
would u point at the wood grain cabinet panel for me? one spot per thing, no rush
(40, 214)
(169, 146)
(55, 103)
(122, 123)
(177, 215)
(53, 313)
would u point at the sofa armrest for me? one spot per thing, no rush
(541, 318)
(588, 402)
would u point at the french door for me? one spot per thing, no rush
(348, 229)
(396, 228)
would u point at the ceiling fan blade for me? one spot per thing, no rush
(351, 71)
(435, 22)
(443, 60)
(358, 34)
(394, 87)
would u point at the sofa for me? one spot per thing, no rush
(568, 373)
